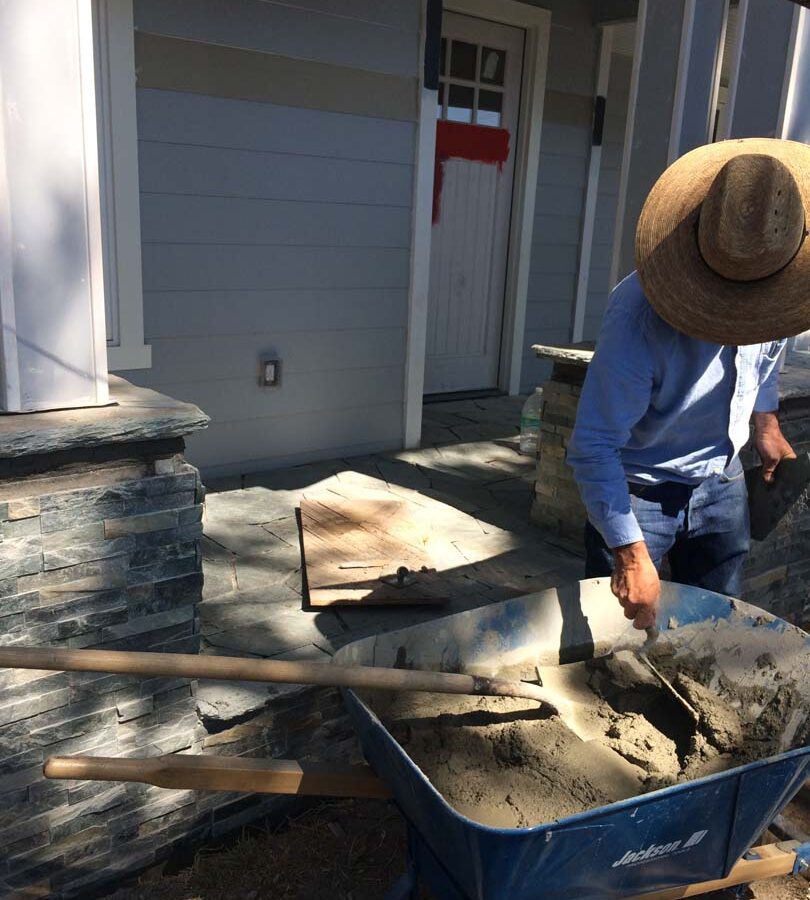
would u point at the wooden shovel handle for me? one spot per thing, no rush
(203, 773)
(229, 668)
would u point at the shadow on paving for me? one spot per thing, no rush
(253, 604)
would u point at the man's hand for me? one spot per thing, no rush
(636, 584)
(770, 443)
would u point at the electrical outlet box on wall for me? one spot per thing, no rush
(269, 372)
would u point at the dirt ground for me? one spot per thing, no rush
(345, 850)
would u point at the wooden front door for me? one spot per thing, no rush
(476, 135)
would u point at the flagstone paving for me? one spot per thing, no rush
(469, 463)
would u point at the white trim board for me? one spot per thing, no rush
(632, 99)
(537, 25)
(592, 191)
(421, 216)
(120, 195)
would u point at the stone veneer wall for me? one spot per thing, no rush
(103, 553)
(556, 506)
(107, 555)
(778, 570)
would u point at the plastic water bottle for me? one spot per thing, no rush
(530, 423)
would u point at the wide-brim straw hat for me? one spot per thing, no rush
(721, 244)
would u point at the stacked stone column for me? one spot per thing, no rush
(557, 507)
(100, 547)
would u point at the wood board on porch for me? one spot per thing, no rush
(349, 544)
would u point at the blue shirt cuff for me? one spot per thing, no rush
(767, 398)
(620, 529)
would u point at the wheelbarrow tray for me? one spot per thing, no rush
(689, 832)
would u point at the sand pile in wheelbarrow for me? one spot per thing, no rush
(506, 763)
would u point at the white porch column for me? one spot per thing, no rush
(53, 349)
(672, 98)
(769, 87)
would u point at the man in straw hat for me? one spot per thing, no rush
(688, 356)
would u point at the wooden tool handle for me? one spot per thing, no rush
(767, 861)
(255, 776)
(229, 668)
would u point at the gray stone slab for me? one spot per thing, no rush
(20, 528)
(285, 529)
(154, 623)
(145, 540)
(18, 603)
(220, 703)
(190, 515)
(33, 706)
(437, 435)
(137, 414)
(161, 571)
(269, 570)
(82, 534)
(77, 605)
(276, 615)
(244, 540)
(575, 354)
(402, 474)
(101, 574)
(60, 557)
(296, 478)
(21, 557)
(137, 524)
(149, 505)
(253, 506)
(166, 553)
(70, 519)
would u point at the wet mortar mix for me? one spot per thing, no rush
(508, 763)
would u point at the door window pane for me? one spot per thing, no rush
(460, 103)
(490, 107)
(493, 63)
(443, 57)
(440, 107)
(463, 58)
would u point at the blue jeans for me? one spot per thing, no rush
(702, 530)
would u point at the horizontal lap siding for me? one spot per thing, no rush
(380, 37)
(281, 231)
(562, 179)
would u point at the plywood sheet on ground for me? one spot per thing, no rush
(349, 544)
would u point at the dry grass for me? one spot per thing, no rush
(347, 850)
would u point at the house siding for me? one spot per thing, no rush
(272, 229)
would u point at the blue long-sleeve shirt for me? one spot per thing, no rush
(658, 405)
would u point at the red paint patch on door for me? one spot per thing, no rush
(476, 143)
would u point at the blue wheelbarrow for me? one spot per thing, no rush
(689, 832)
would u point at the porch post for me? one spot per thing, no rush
(672, 98)
(769, 88)
(53, 338)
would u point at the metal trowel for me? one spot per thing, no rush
(652, 636)
(769, 502)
